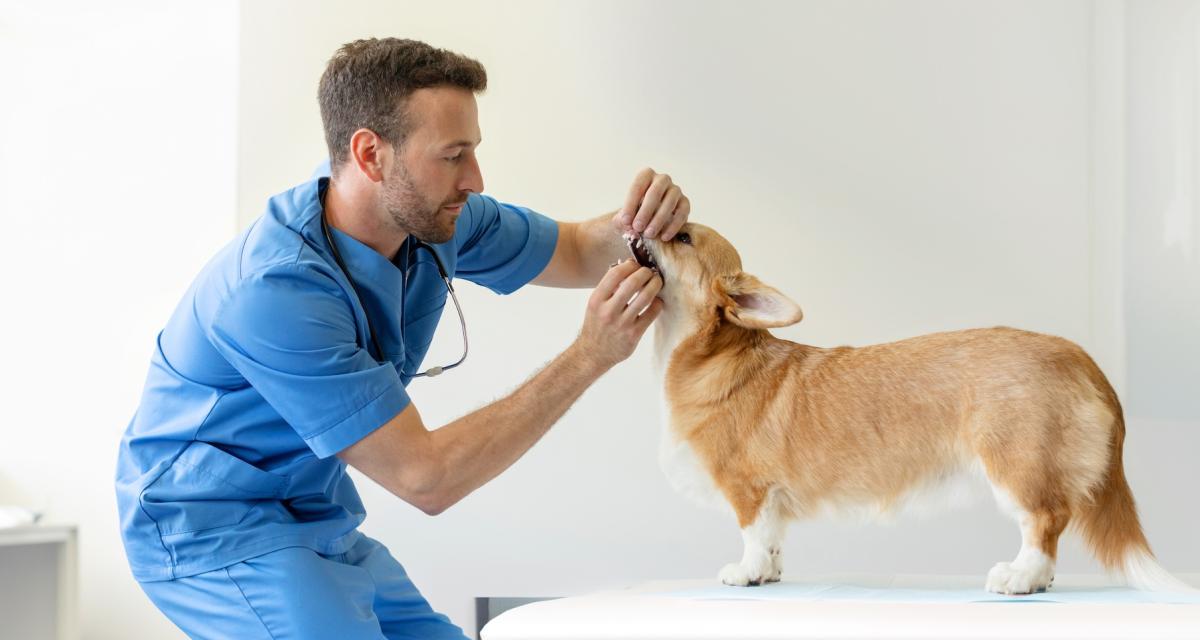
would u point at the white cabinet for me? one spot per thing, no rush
(38, 569)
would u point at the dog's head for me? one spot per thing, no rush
(703, 282)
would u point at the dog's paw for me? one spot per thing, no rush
(1012, 580)
(735, 575)
(738, 575)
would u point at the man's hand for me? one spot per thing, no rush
(655, 207)
(619, 311)
(584, 250)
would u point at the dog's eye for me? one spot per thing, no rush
(683, 237)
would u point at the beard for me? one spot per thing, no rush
(414, 213)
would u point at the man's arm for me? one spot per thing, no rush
(432, 470)
(654, 206)
(582, 253)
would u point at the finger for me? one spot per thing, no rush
(630, 286)
(618, 221)
(647, 318)
(637, 190)
(648, 291)
(666, 210)
(650, 201)
(614, 303)
(682, 210)
(613, 279)
(643, 299)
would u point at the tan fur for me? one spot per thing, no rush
(850, 426)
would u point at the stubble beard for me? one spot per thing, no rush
(413, 213)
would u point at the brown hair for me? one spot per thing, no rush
(367, 83)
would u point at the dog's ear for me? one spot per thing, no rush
(750, 303)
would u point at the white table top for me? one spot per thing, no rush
(36, 534)
(867, 607)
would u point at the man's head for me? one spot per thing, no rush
(402, 114)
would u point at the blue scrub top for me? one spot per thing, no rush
(264, 372)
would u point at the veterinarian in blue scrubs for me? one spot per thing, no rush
(289, 356)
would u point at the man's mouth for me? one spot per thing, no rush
(641, 252)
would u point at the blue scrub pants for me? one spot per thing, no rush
(299, 593)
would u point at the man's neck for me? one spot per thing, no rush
(353, 212)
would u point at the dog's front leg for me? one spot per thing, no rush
(762, 534)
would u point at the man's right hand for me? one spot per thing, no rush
(619, 311)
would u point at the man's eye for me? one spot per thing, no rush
(454, 158)
(683, 237)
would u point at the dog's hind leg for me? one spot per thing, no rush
(1032, 570)
(763, 523)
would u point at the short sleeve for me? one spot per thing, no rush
(290, 332)
(502, 246)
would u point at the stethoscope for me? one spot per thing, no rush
(414, 245)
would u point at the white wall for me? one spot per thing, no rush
(1161, 270)
(1162, 243)
(117, 151)
(898, 168)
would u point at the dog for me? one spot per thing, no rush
(781, 431)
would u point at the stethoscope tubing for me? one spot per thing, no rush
(418, 244)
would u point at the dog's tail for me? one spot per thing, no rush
(1109, 523)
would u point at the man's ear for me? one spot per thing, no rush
(749, 303)
(366, 153)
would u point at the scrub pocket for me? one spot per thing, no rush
(206, 488)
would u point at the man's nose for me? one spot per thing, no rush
(472, 178)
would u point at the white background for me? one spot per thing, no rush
(896, 167)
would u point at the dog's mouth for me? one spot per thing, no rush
(641, 253)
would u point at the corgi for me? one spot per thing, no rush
(781, 431)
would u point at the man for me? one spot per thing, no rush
(287, 360)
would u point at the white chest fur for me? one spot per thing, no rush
(685, 473)
(678, 460)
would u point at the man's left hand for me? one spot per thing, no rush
(655, 207)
